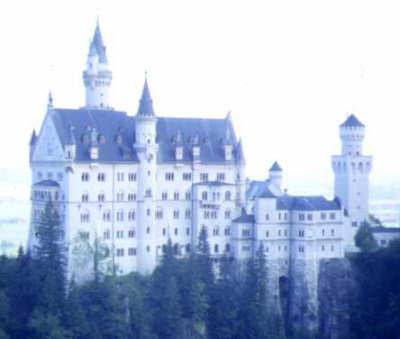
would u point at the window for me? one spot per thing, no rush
(100, 197)
(279, 233)
(301, 217)
(120, 234)
(279, 216)
(309, 217)
(106, 235)
(85, 197)
(148, 230)
(131, 215)
(120, 196)
(216, 231)
(106, 216)
(84, 235)
(131, 234)
(267, 217)
(227, 214)
(120, 176)
(220, 176)
(120, 252)
(169, 176)
(188, 214)
(227, 231)
(228, 195)
(301, 233)
(164, 232)
(176, 196)
(131, 176)
(131, 197)
(159, 213)
(354, 224)
(204, 195)
(301, 249)
(148, 248)
(187, 248)
(101, 177)
(187, 196)
(85, 176)
(332, 232)
(216, 248)
(59, 176)
(267, 234)
(213, 214)
(227, 248)
(40, 175)
(203, 176)
(332, 248)
(120, 215)
(176, 214)
(245, 233)
(85, 217)
(285, 233)
(131, 251)
(322, 248)
(164, 196)
(176, 231)
(187, 176)
(323, 216)
(148, 212)
(332, 216)
(285, 216)
(187, 231)
(323, 232)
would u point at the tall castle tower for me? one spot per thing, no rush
(146, 148)
(352, 170)
(97, 77)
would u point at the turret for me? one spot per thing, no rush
(97, 77)
(94, 145)
(178, 146)
(32, 143)
(146, 148)
(352, 170)
(352, 135)
(70, 145)
(275, 175)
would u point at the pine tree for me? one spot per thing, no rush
(4, 311)
(51, 256)
(364, 239)
(224, 303)
(74, 318)
(254, 312)
(164, 297)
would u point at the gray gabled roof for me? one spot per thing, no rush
(256, 189)
(306, 203)
(245, 218)
(97, 45)
(116, 131)
(275, 167)
(352, 121)
(240, 159)
(146, 103)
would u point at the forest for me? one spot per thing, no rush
(183, 298)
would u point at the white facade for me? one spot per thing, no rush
(134, 182)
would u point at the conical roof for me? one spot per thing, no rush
(146, 103)
(275, 167)
(352, 121)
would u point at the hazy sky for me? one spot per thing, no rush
(290, 71)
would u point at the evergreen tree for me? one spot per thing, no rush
(364, 239)
(164, 297)
(204, 261)
(253, 316)
(51, 256)
(224, 303)
(4, 311)
(45, 325)
(74, 318)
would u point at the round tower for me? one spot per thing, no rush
(352, 170)
(146, 148)
(275, 175)
(97, 77)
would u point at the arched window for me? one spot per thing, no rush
(120, 215)
(227, 214)
(85, 217)
(131, 215)
(216, 248)
(204, 195)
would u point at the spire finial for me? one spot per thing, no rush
(50, 100)
(146, 103)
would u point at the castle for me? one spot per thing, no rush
(137, 181)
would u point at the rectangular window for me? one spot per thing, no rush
(220, 176)
(164, 196)
(301, 217)
(176, 196)
(169, 176)
(187, 231)
(131, 234)
(120, 252)
(120, 234)
(187, 196)
(187, 214)
(203, 176)
(323, 216)
(332, 232)
(120, 176)
(101, 177)
(132, 176)
(85, 197)
(131, 251)
(332, 216)
(187, 176)
(85, 176)
(131, 196)
(309, 217)
(106, 235)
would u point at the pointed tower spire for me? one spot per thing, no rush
(239, 153)
(146, 103)
(33, 138)
(97, 77)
